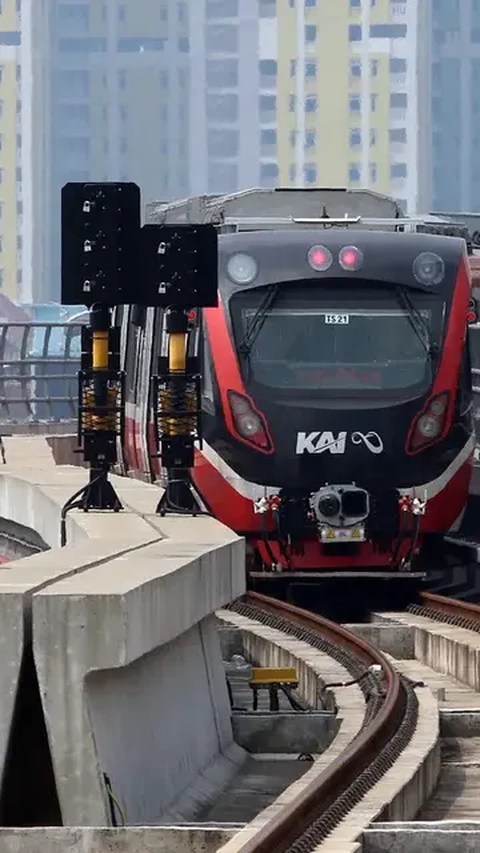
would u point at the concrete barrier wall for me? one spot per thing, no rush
(128, 661)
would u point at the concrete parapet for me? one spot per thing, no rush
(443, 837)
(124, 644)
(147, 839)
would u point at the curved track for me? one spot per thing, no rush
(387, 729)
(464, 614)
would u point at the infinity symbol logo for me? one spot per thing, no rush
(371, 440)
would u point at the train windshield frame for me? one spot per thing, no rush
(339, 339)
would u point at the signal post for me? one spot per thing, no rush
(109, 260)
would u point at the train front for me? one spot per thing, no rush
(337, 400)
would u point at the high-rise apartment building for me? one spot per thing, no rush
(10, 147)
(194, 96)
(455, 106)
(350, 94)
(103, 94)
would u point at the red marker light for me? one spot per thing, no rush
(319, 258)
(471, 317)
(350, 258)
(192, 315)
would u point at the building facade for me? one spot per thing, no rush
(103, 94)
(455, 129)
(350, 95)
(192, 96)
(11, 184)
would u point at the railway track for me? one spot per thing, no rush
(463, 614)
(448, 659)
(389, 724)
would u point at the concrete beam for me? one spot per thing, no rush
(124, 643)
(148, 839)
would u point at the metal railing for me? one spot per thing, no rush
(39, 364)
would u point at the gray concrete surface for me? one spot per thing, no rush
(131, 593)
(460, 723)
(396, 640)
(290, 733)
(456, 796)
(443, 837)
(145, 839)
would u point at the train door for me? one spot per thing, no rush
(119, 314)
(137, 361)
(158, 337)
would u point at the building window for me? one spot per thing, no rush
(2, 72)
(388, 31)
(355, 4)
(2, 209)
(373, 103)
(310, 138)
(122, 79)
(373, 172)
(222, 73)
(355, 68)
(373, 136)
(269, 170)
(291, 103)
(355, 103)
(1, 243)
(310, 4)
(354, 172)
(354, 32)
(398, 134)
(268, 106)
(221, 8)
(222, 38)
(2, 277)
(311, 104)
(292, 172)
(268, 9)
(311, 70)
(268, 137)
(398, 171)
(398, 100)
(355, 137)
(374, 67)
(310, 173)
(310, 33)
(122, 13)
(223, 142)
(398, 66)
(293, 67)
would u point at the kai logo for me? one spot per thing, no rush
(322, 442)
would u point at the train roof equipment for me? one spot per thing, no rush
(260, 209)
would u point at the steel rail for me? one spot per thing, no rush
(292, 821)
(463, 614)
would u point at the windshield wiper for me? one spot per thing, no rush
(416, 320)
(258, 319)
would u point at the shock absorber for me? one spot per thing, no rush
(100, 406)
(177, 396)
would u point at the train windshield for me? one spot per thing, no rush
(369, 340)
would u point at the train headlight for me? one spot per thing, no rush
(242, 268)
(350, 258)
(429, 426)
(429, 268)
(320, 258)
